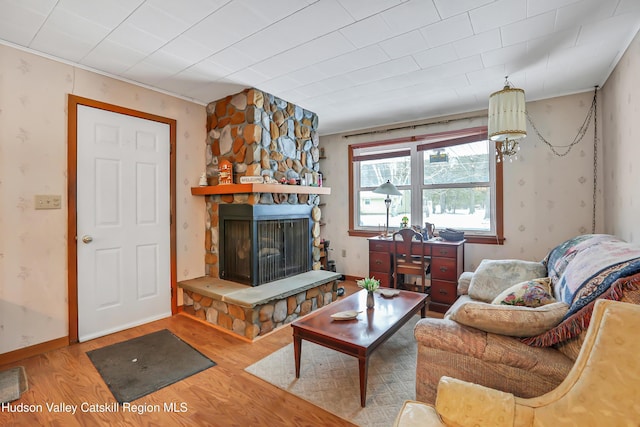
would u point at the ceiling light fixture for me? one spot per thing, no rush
(507, 120)
(508, 123)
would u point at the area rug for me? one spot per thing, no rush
(330, 379)
(13, 382)
(134, 368)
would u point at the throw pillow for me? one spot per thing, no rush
(494, 276)
(508, 320)
(532, 293)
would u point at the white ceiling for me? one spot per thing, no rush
(356, 63)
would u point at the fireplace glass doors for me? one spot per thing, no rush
(262, 245)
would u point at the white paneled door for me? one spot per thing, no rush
(123, 221)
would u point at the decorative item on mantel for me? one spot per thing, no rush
(226, 172)
(371, 284)
(251, 180)
(203, 180)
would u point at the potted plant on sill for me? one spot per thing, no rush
(370, 284)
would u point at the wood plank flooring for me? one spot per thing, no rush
(224, 395)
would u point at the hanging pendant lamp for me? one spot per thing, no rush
(507, 121)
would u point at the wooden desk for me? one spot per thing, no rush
(447, 264)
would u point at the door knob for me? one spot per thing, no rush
(87, 239)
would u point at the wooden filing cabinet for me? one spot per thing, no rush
(380, 261)
(447, 264)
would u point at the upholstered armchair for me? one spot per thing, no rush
(601, 389)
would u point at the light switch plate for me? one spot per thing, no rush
(47, 201)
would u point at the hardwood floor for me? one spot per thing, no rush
(224, 395)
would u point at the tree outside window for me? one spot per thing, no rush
(456, 191)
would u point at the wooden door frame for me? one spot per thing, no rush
(72, 179)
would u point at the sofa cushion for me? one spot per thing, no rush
(463, 282)
(530, 293)
(494, 276)
(508, 320)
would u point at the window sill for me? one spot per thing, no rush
(470, 238)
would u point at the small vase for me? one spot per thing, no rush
(370, 300)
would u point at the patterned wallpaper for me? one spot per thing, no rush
(621, 146)
(33, 160)
(548, 199)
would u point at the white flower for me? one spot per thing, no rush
(369, 283)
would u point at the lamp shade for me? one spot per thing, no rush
(507, 115)
(388, 188)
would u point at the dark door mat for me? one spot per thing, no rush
(142, 365)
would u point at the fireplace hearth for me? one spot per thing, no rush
(263, 243)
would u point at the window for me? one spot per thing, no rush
(450, 180)
(374, 171)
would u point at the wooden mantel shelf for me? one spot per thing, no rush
(258, 188)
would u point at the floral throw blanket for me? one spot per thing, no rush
(583, 269)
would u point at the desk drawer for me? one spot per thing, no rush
(379, 261)
(418, 249)
(443, 292)
(379, 246)
(444, 251)
(384, 278)
(444, 268)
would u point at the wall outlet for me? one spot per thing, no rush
(344, 253)
(44, 201)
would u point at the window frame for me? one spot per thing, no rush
(417, 145)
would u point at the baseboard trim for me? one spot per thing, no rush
(34, 350)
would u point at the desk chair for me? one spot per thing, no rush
(408, 257)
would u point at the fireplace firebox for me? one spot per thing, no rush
(263, 243)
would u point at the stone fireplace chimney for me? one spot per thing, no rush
(262, 136)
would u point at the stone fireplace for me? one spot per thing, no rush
(262, 136)
(265, 234)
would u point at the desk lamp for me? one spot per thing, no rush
(390, 190)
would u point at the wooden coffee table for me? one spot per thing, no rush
(361, 336)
